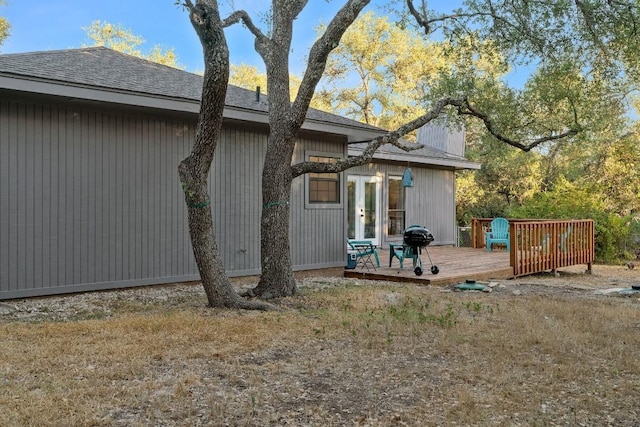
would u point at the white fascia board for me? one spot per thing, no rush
(431, 161)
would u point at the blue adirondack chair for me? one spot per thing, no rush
(397, 250)
(499, 233)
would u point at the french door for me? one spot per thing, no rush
(363, 208)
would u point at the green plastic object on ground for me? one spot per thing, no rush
(470, 285)
(629, 291)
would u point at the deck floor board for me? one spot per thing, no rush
(455, 264)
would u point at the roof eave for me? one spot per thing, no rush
(424, 160)
(93, 93)
(353, 133)
(112, 96)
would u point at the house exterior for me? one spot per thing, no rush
(430, 202)
(90, 199)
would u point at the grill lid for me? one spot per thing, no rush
(417, 236)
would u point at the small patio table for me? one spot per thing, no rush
(365, 251)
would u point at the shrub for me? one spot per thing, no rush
(568, 201)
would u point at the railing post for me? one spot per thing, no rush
(513, 244)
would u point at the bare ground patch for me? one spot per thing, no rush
(541, 350)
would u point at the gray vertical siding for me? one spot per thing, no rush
(237, 198)
(438, 135)
(430, 202)
(317, 235)
(91, 200)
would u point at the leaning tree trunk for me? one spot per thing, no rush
(277, 279)
(216, 285)
(194, 170)
(219, 291)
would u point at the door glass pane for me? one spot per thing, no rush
(370, 204)
(351, 209)
(396, 207)
(396, 194)
(396, 223)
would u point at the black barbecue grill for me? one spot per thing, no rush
(415, 238)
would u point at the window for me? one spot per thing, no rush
(395, 225)
(324, 187)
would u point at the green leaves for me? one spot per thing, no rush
(4, 26)
(570, 200)
(386, 75)
(377, 61)
(123, 40)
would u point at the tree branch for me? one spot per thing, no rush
(590, 25)
(318, 56)
(297, 7)
(418, 17)
(426, 24)
(468, 110)
(390, 138)
(241, 15)
(463, 108)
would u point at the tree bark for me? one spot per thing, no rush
(194, 170)
(285, 120)
(277, 278)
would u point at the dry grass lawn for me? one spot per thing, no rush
(541, 351)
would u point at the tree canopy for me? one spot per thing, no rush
(585, 72)
(384, 74)
(249, 77)
(381, 59)
(578, 49)
(116, 37)
(4, 26)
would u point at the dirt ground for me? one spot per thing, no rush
(571, 281)
(549, 349)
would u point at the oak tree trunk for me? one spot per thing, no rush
(285, 120)
(194, 170)
(277, 277)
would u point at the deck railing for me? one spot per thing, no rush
(542, 245)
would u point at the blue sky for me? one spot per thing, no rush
(57, 24)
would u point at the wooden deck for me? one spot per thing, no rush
(456, 265)
(543, 244)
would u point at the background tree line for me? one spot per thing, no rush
(562, 145)
(382, 73)
(4, 26)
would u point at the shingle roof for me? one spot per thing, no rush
(101, 67)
